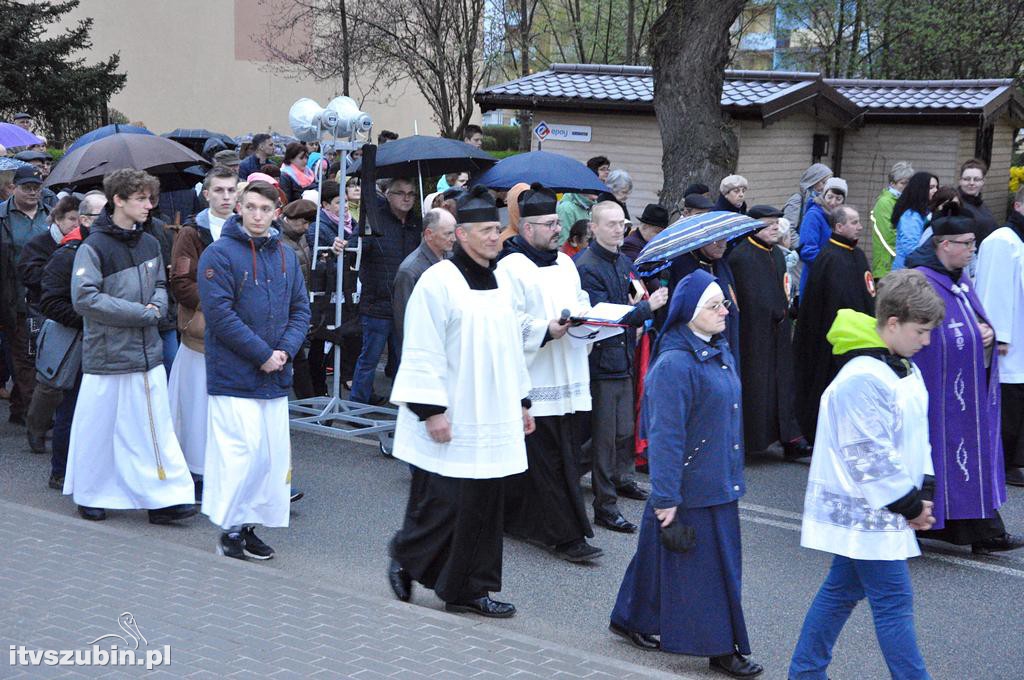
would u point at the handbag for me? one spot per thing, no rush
(58, 355)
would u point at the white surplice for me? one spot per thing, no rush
(870, 448)
(248, 462)
(462, 350)
(1000, 286)
(186, 389)
(123, 453)
(559, 371)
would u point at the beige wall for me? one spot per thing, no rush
(188, 65)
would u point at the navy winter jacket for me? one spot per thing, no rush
(693, 422)
(254, 298)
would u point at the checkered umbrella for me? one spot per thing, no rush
(689, 233)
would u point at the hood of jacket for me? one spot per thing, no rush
(813, 175)
(541, 258)
(925, 256)
(512, 202)
(105, 224)
(853, 331)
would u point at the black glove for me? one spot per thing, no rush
(678, 537)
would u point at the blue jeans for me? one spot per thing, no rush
(886, 584)
(62, 418)
(376, 333)
(170, 339)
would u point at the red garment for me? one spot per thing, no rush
(643, 359)
(569, 250)
(73, 235)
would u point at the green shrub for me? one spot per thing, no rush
(502, 137)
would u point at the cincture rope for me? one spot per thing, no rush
(152, 431)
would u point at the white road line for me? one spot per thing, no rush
(791, 526)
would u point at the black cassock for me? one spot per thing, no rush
(766, 348)
(839, 279)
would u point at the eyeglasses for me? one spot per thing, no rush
(551, 224)
(973, 180)
(402, 194)
(718, 305)
(970, 243)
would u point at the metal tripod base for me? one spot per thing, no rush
(343, 419)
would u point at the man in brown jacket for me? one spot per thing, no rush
(187, 384)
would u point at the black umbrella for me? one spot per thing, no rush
(428, 157)
(86, 166)
(195, 138)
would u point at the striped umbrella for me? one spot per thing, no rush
(689, 233)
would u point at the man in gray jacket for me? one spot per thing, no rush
(438, 241)
(123, 453)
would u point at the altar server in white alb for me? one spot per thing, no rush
(545, 505)
(1000, 286)
(123, 453)
(867, 489)
(254, 297)
(463, 411)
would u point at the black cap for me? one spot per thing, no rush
(28, 174)
(537, 201)
(953, 226)
(21, 115)
(698, 202)
(696, 188)
(761, 212)
(476, 205)
(29, 156)
(453, 192)
(654, 215)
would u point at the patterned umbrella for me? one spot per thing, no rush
(689, 233)
(12, 135)
(10, 163)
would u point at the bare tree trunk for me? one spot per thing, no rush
(346, 58)
(690, 48)
(525, 31)
(630, 31)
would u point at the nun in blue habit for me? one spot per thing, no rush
(681, 591)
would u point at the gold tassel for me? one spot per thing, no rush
(288, 478)
(160, 472)
(152, 432)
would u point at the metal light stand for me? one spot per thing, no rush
(331, 415)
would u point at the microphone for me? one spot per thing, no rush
(564, 319)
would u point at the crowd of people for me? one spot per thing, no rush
(159, 335)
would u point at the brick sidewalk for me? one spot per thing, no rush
(64, 582)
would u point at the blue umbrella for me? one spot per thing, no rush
(106, 131)
(10, 163)
(554, 171)
(13, 135)
(689, 233)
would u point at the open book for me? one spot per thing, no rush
(597, 323)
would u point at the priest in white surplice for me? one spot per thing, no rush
(462, 392)
(1000, 285)
(123, 453)
(545, 504)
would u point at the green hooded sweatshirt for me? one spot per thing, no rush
(852, 331)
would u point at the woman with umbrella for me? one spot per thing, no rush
(681, 591)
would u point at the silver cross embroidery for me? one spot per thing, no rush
(955, 326)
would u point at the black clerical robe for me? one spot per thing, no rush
(840, 279)
(766, 350)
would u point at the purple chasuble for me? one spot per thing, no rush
(963, 408)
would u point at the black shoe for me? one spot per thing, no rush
(644, 641)
(736, 665)
(16, 419)
(997, 544)
(197, 481)
(254, 547)
(56, 482)
(92, 514)
(36, 442)
(400, 580)
(296, 495)
(172, 513)
(577, 551)
(797, 450)
(484, 606)
(1015, 476)
(632, 490)
(615, 522)
(377, 400)
(230, 544)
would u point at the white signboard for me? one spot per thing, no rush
(563, 133)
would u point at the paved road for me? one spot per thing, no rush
(968, 609)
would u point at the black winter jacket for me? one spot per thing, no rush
(55, 301)
(382, 255)
(605, 276)
(31, 263)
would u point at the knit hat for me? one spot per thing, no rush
(837, 184)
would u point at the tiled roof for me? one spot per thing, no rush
(766, 94)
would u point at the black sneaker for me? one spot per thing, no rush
(254, 547)
(577, 551)
(56, 482)
(296, 495)
(230, 544)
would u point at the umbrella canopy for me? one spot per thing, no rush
(427, 157)
(10, 163)
(106, 131)
(555, 171)
(689, 233)
(13, 135)
(195, 138)
(159, 156)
